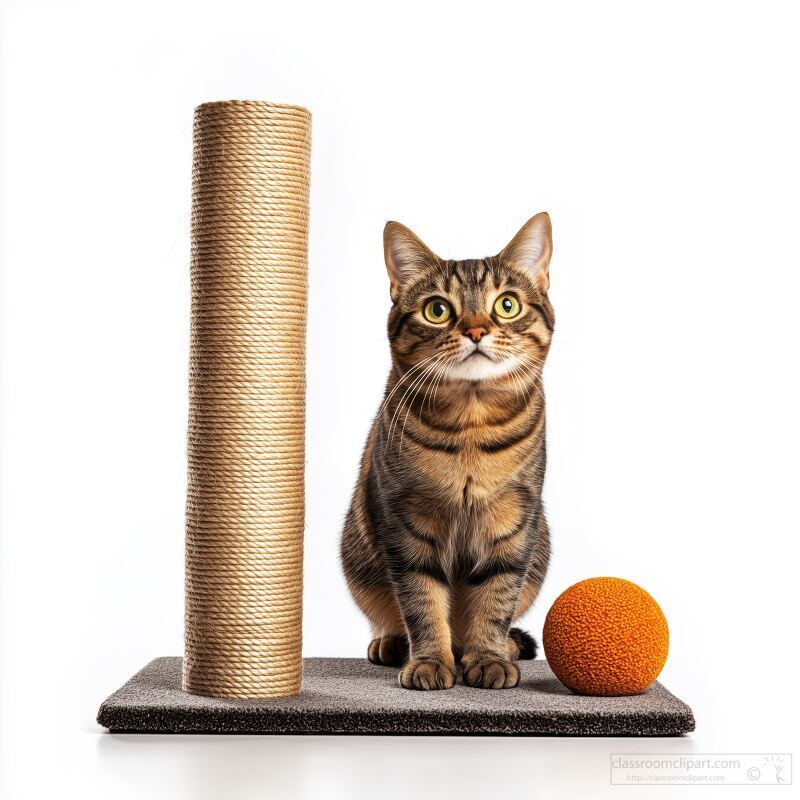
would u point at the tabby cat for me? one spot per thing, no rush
(446, 541)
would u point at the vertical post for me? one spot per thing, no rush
(245, 497)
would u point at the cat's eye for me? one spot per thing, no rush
(437, 311)
(507, 306)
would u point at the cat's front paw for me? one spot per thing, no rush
(490, 672)
(426, 674)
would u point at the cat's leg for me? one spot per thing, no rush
(389, 647)
(491, 597)
(521, 645)
(424, 601)
(415, 605)
(492, 594)
(413, 542)
(365, 572)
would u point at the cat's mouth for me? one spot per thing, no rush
(477, 353)
(480, 364)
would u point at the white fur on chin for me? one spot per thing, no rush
(480, 368)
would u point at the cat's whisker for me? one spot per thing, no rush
(521, 370)
(417, 386)
(441, 375)
(532, 371)
(411, 405)
(441, 372)
(513, 376)
(406, 375)
(437, 375)
(408, 390)
(519, 384)
(428, 369)
(527, 356)
(432, 400)
(535, 366)
(524, 371)
(519, 380)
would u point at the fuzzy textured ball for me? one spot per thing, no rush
(606, 636)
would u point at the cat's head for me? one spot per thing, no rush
(472, 320)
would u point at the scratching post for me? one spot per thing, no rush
(245, 504)
(242, 667)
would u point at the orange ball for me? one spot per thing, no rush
(606, 636)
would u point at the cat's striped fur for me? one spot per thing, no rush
(446, 541)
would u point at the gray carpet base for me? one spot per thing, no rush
(352, 696)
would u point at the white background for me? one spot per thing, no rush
(662, 138)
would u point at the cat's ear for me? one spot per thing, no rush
(532, 248)
(407, 257)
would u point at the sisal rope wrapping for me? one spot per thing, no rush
(245, 497)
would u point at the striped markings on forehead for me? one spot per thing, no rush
(471, 282)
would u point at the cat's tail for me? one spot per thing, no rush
(524, 644)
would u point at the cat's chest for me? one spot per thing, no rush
(479, 461)
(473, 476)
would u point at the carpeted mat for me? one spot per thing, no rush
(352, 696)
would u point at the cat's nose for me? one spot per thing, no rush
(475, 333)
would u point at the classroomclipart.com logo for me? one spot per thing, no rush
(721, 769)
